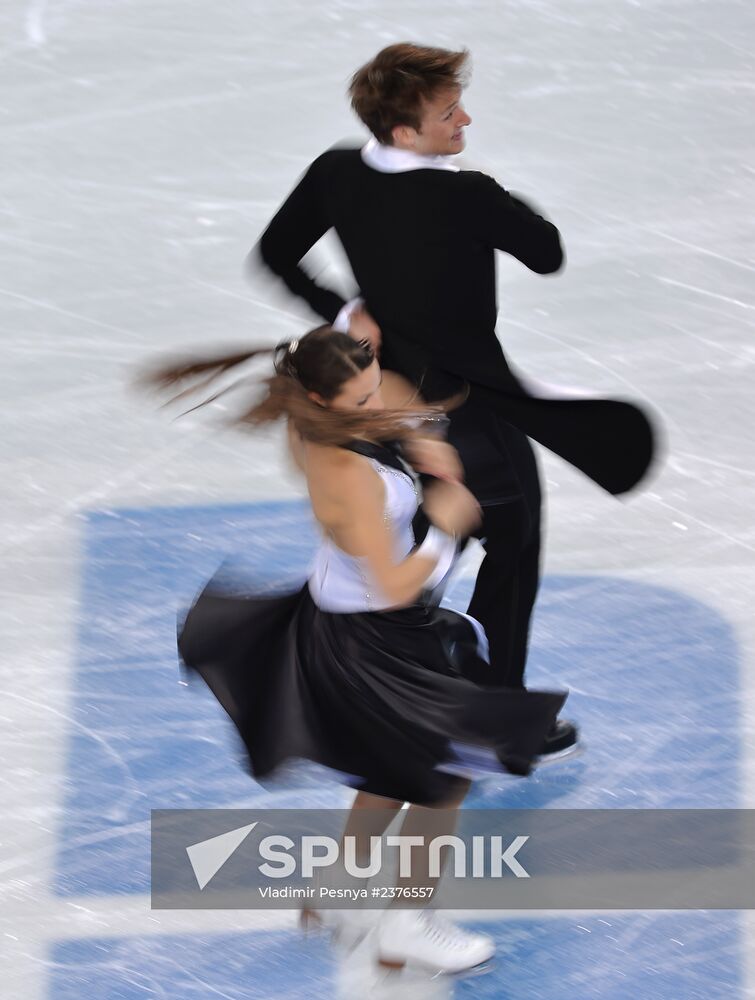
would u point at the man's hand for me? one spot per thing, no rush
(452, 508)
(362, 327)
(434, 458)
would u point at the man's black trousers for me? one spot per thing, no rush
(501, 470)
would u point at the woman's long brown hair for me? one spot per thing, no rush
(322, 361)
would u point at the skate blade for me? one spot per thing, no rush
(416, 970)
(568, 753)
(476, 970)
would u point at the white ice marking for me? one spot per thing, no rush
(704, 291)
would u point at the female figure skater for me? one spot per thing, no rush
(359, 670)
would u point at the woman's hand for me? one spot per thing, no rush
(434, 458)
(452, 508)
(362, 327)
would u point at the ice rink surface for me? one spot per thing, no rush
(145, 146)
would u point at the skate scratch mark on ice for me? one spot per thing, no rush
(142, 982)
(704, 340)
(104, 351)
(704, 291)
(245, 298)
(84, 917)
(86, 499)
(185, 971)
(718, 315)
(694, 246)
(163, 193)
(719, 465)
(4, 238)
(122, 831)
(81, 841)
(580, 138)
(66, 312)
(109, 114)
(135, 790)
(731, 45)
(35, 23)
(704, 524)
(588, 357)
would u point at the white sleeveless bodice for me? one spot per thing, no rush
(340, 582)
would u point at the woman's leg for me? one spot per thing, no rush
(428, 822)
(369, 817)
(358, 819)
(410, 932)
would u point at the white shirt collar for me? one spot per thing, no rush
(391, 160)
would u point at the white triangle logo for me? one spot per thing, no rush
(208, 856)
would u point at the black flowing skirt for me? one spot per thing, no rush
(379, 696)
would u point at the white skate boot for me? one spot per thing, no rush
(349, 925)
(422, 937)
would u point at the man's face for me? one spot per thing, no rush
(442, 126)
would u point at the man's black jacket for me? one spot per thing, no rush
(421, 245)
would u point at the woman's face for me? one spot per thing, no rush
(362, 391)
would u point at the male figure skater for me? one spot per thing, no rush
(420, 235)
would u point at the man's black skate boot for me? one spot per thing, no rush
(561, 741)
